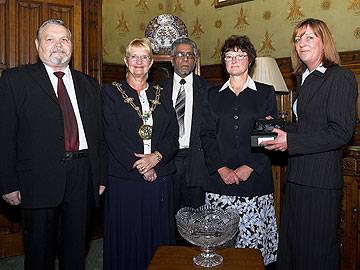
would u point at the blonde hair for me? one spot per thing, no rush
(139, 43)
(330, 55)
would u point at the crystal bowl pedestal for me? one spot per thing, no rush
(207, 227)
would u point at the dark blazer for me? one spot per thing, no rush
(121, 125)
(31, 135)
(226, 132)
(326, 109)
(196, 171)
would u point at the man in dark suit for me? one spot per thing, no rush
(188, 92)
(53, 157)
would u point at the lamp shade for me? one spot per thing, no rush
(267, 71)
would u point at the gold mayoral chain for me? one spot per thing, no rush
(145, 131)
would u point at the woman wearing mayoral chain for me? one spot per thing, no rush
(142, 137)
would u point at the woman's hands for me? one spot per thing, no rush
(145, 165)
(244, 172)
(279, 144)
(230, 176)
(150, 175)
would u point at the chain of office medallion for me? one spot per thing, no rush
(130, 100)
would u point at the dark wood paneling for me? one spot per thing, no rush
(70, 12)
(3, 29)
(92, 38)
(29, 16)
(348, 222)
(214, 73)
(350, 217)
(11, 241)
(350, 57)
(113, 72)
(65, 13)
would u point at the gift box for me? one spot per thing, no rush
(257, 139)
(263, 130)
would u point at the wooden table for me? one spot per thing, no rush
(181, 258)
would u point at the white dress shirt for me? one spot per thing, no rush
(69, 84)
(184, 141)
(145, 107)
(248, 84)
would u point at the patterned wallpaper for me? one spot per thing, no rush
(268, 23)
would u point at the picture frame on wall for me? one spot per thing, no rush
(222, 3)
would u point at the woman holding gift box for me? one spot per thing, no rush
(325, 110)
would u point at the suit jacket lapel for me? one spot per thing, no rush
(298, 83)
(315, 79)
(41, 77)
(195, 117)
(170, 85)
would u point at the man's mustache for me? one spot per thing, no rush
(58, 50)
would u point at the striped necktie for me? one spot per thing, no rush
(180, 108)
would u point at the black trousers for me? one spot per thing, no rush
(309, 232)
(63, 230)
(185, 194)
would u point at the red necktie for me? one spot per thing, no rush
(71, 133)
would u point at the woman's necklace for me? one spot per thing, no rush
(145, 131)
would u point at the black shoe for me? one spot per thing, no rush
(270, 266)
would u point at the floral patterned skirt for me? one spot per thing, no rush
(257, 226)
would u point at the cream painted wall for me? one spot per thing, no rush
(268, 23)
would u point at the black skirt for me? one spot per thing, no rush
(139, 217)
(309, 231)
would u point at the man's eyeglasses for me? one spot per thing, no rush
(141, 58)
(183, 55)
(237, 57)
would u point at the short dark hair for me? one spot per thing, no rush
(50, 21)
(234, 43)
(184, 40)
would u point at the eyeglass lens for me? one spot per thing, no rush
(189, 55)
